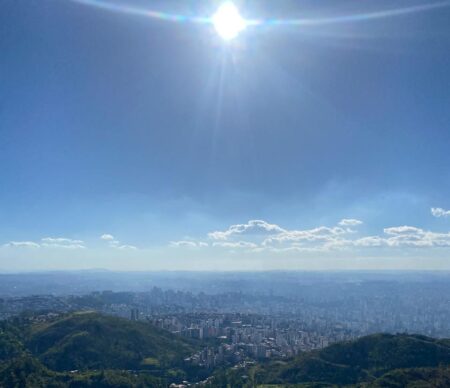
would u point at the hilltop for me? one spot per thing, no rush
(95, 341)
(90, 349)
(372, 361)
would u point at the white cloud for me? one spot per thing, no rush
(233, 245)
(404, 237)
(369, 241)
(253, 227)
(322, 233)
(64, 246)
(397, 230)
(116, 244)
(296, 248)
(439, 212)
(61, 242)
(127, 247)
(416, 237)
(188, 244)
(262, 236)
(350, 222)
(49, 242)
(22, 244)
(68, 243)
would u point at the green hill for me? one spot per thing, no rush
(376, 359)
(386, 352)
(94, 341)
(364, 359)
(26, 371)
(90, 350)
(414, 378)
(10, 344)
(94, 350)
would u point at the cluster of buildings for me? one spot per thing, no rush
(234, 338)
(309, 318)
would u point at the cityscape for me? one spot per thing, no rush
(237, 328)
(224, 194)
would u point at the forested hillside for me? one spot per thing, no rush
(94, 350)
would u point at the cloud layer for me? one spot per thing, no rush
(260, 235)
(48, 242)
(254, 236)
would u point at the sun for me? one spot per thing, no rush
(228, 22)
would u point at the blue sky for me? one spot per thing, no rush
(155, 135)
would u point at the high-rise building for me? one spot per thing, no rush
(134, 314)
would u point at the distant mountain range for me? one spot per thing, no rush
(93, 350)
(282, 283)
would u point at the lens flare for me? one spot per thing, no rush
(228, 22)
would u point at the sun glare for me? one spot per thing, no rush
(228, 22)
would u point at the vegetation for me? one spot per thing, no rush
(93, 350)
(414, 378)
(27, 371)
(94, 341)
(10, 345)
(90, 350)
(381, 360)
